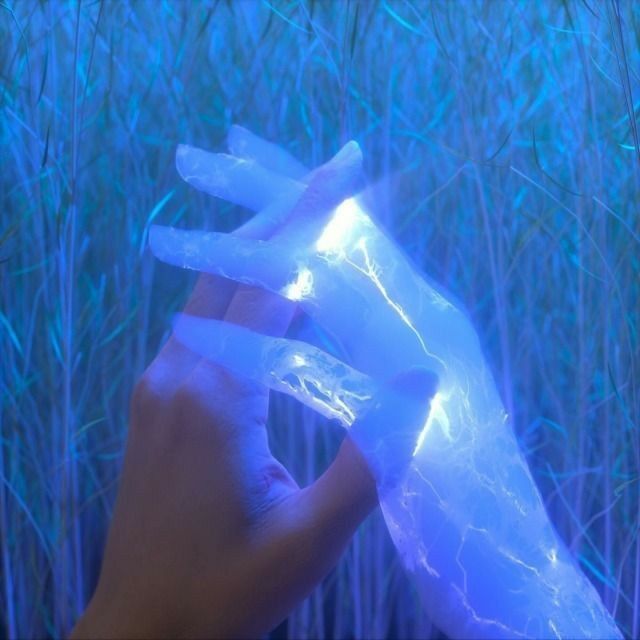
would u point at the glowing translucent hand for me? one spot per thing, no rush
(467, 518)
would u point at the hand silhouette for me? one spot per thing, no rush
(467, 518)
(211, 537)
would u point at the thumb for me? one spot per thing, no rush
(310, 531)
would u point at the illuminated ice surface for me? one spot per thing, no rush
(467, 519)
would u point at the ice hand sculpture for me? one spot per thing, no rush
(466, 518)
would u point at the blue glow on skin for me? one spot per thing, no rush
(467, 518)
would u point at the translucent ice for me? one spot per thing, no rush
(322, 382)
(467, 517)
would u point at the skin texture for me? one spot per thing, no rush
(211, 536)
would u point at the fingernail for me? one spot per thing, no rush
(349, 153)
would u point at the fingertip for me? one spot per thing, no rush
(183, 154)
(350, 153)
(332, 183)
(245, 144)
(348, 161)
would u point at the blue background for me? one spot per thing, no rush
(503, 140)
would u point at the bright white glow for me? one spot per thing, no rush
(553, 555)
(298, 360)
(301, 287)
(436, 414)
(339, 230)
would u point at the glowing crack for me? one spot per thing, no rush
(517, 572)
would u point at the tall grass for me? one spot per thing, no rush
(508, 139)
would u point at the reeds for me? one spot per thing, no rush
(506, 133)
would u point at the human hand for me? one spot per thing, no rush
(468, 518)
(211, 537)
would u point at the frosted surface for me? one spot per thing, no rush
(467, 519)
